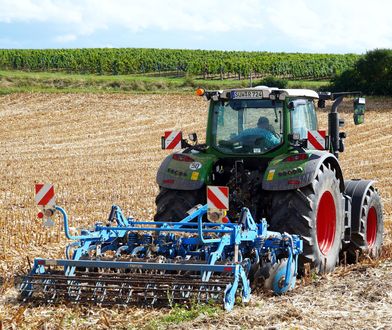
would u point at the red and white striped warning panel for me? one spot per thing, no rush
(316, 140)
(172, 139)
(44, 194)
(218, 197)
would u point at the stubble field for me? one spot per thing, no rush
(100, 149)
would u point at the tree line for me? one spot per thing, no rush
(371, 74)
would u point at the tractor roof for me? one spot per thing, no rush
(301, 92)
(286, 92)
(259, 92)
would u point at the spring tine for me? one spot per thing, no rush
(129, 298)
(124, 288)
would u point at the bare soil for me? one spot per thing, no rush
(100, 149)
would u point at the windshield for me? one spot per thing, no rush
(247, 126)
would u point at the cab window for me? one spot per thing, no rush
(303, 118)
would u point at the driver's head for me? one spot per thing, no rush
(263, 122)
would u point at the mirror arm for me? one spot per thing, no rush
(336, 104)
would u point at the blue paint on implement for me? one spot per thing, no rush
(139, 262)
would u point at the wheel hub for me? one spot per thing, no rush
(371, 227)
(326, 222)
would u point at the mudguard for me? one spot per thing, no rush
(285, 172)
(186, 171)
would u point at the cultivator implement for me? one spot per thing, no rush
(127, 262)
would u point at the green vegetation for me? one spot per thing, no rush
(273, 82)
(179, 314)
(177, 62)
(162, 70)
(20, 81)
(372, 74)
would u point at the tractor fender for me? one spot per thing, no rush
(282, 174)
(185, 171)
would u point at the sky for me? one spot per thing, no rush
(313, 26)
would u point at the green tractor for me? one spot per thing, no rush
(264, 144)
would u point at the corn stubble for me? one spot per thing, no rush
(105, 149)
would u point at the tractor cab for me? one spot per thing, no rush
(254, 122)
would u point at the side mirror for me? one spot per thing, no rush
(359, 110)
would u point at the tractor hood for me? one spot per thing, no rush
(185, 171)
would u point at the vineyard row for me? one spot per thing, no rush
(193, 62)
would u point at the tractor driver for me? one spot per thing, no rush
(264, 132)
(263, 123)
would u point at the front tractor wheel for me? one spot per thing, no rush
(316, 213)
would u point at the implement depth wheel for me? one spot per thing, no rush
(275, 281)
(316, 212)
(172, 205)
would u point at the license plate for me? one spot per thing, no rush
(246, 94)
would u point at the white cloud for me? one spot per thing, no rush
(91, 15)
(306, 25)
(349, 24)
(40, 11)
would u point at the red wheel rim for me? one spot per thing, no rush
(326, 222)
(371, 227)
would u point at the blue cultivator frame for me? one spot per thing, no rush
(140, 262)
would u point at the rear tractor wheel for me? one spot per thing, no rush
(316, 213)
(367, 223)
(172, 205)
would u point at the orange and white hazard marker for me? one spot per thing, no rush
(316, 140)
(44, 195)
(218, 197)
(172, 139)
